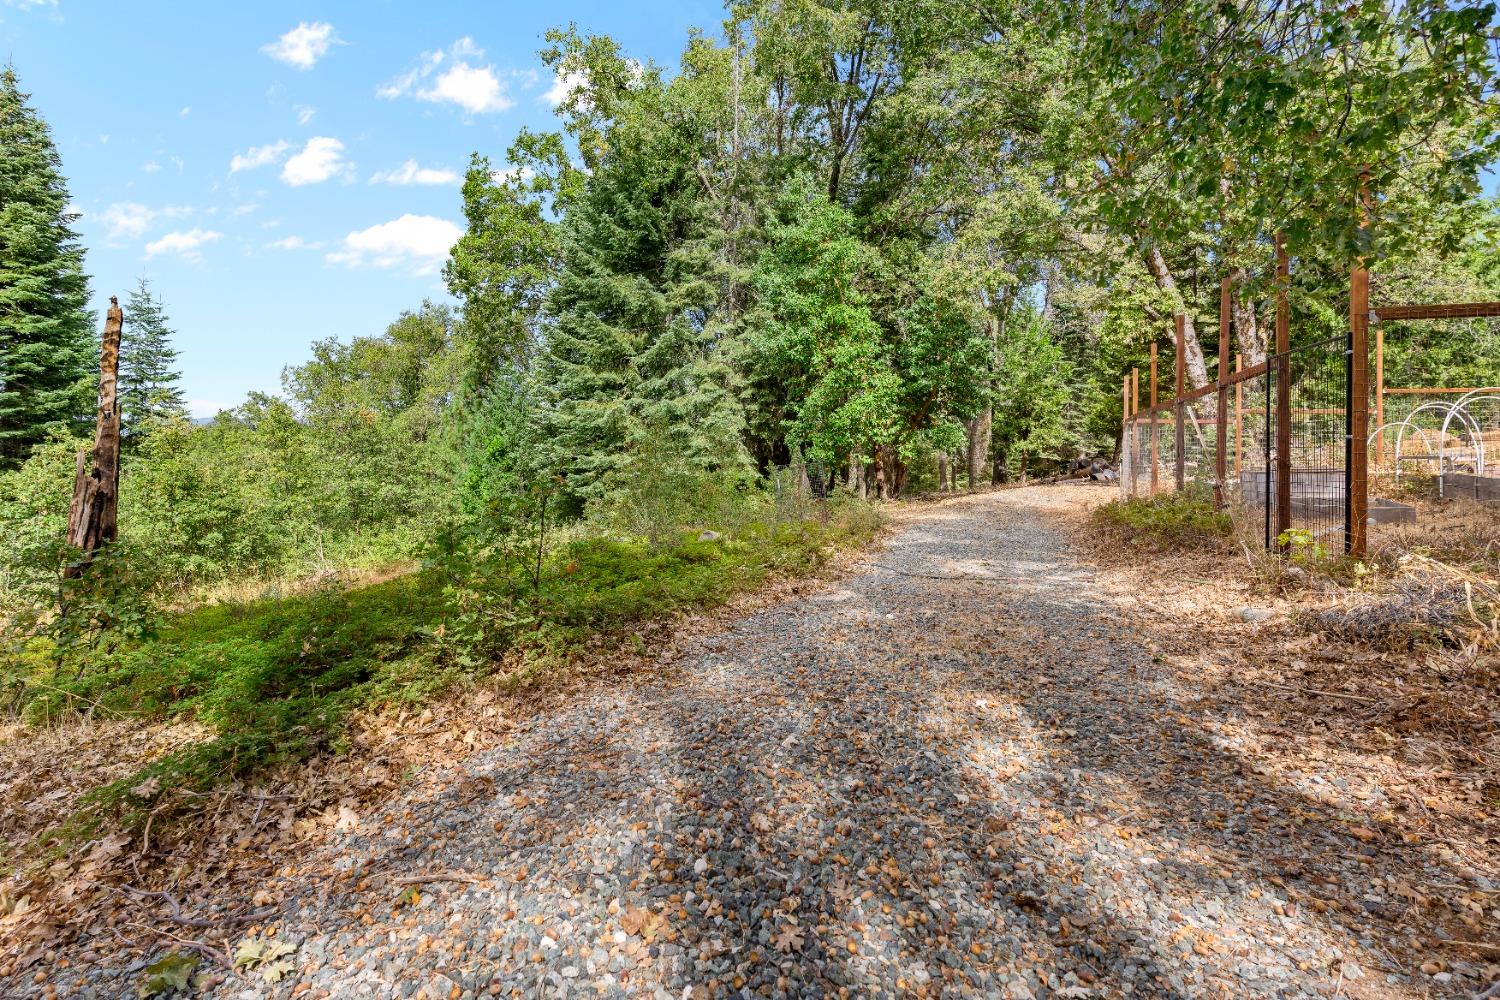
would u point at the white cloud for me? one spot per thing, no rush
(259, 156)
(420, 242)
(176, 211)
(466, 46)
(204, 409)
(184, 243)
(294, 243)
(150, 168)
(30, 4)
(303, 46)
(320, 159)
(304, 113)
(410, 173)
(185, 111)
(473, 87)
(74, 209)
(127, 218)
(563, 85)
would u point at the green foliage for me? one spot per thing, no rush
(1262, 116)
(501, 267)
(829, 372)
(1186, 520)
(149, 392)
(274, 680)
(33, 522)
(1034, 382)
(629, 350)
(46, 342)
(1302, 545)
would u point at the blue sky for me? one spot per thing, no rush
(285, 172)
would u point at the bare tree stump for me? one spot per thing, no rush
(93, 517)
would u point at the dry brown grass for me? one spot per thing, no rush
(1387, 673)
(1460, 532)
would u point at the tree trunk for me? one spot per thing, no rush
(899, 473)
(997, 472)
(880, 481)
(1051, 275)
(1197, 368)
(942, 462)
(93, 516)
(856, 476)
(1247, 331)
(979, 444)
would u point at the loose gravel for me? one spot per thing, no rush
(953, 773)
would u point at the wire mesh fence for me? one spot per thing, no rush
(1250, 451)
(1317, 447)
(1434, 402)
(1318, 438)
(1286, 485)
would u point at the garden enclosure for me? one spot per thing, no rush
(1319, 444)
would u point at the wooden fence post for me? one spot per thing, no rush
(1357, 478)
(1221, 445)
(1178, 410)
(1283, 393)
(93, 516)
(1127, 439)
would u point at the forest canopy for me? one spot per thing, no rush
(890, 247)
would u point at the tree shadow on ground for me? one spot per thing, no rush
(904, 787)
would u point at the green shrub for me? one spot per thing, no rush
(275, 680)
(1185, 520)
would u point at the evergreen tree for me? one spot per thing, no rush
(631, 355)
(46, 335)
(149, 387)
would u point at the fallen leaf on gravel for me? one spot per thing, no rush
(170, 974)
(261, 951)
(274, 972)
(347, 818)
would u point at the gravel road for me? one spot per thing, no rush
(949, 773)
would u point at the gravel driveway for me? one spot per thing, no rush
(948, 774)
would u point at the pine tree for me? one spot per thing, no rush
(149, 387)
(631, 357)
(46, 334)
